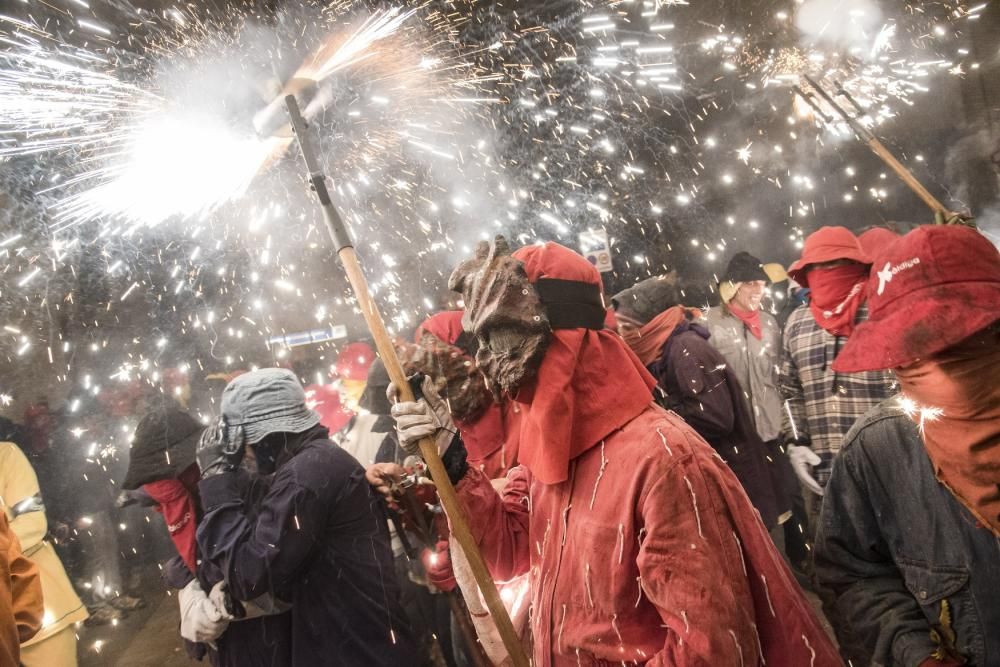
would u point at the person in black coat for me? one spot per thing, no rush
(694, 381)
(320, 540)
(163, 474)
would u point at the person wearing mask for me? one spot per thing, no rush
(694, 381)
(21, 500)
(639, 542)
(445, 352)
(909, 531)
(163, 474)
(750, 341)
(820, 403)
(319, 538)
(21, 606)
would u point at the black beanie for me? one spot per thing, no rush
(164, 447)
(743, 268)
(373, 399)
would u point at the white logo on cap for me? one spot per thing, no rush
(888, 271)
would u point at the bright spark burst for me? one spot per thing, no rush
(149, 159)
(919, 413)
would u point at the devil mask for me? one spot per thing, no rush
(503, 311)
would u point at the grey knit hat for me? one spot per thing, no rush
(647, 299)
(265, 401)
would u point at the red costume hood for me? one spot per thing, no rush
(588, 385)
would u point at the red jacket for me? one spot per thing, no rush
(649, 553)
(491, 440)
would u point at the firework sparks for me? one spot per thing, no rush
(678, 138)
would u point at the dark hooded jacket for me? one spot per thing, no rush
(698, 385)
(321, 543)
(164, 448)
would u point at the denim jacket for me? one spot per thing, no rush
(909, 568)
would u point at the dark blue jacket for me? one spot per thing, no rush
(264, 641)
(320, 542)
(696, 382)
(900, 555)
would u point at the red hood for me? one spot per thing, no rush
(589, 383)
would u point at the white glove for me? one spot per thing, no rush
(428, 417)
(201, 619)
(803, 459)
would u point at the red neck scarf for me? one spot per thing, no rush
(588, 385)
(179, 510)
(751, 318)
(647, 340)
(963, 440)
(835, 296)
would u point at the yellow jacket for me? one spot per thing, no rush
(18, 484)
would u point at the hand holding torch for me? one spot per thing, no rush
(446, 492)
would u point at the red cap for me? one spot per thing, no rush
(825, 245)
(929, 290)
(354, 361)
(876, 239)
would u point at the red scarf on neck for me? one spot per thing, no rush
(751, 318)
(835, 296)
(179, 510)
(960, 397)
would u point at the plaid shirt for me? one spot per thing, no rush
(824, 404)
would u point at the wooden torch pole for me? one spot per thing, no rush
(428, 449)
(877, 147)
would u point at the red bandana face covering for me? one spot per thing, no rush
(836, 294)
(957, 399)
(178, 508)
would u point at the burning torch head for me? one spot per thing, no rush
(272, 120)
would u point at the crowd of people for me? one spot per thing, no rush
(649, 482)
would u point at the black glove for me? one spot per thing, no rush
(454, 459)
(801, 440)
(220, 449)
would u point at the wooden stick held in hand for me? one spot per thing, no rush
(446, 492)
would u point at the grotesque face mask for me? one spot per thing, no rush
(456, 377)
(504, 313)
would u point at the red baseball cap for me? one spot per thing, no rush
(929, 290)
(825, 245)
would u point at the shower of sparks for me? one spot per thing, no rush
(152, 238)
(150, 159)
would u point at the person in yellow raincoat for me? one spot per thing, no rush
(55, 642)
